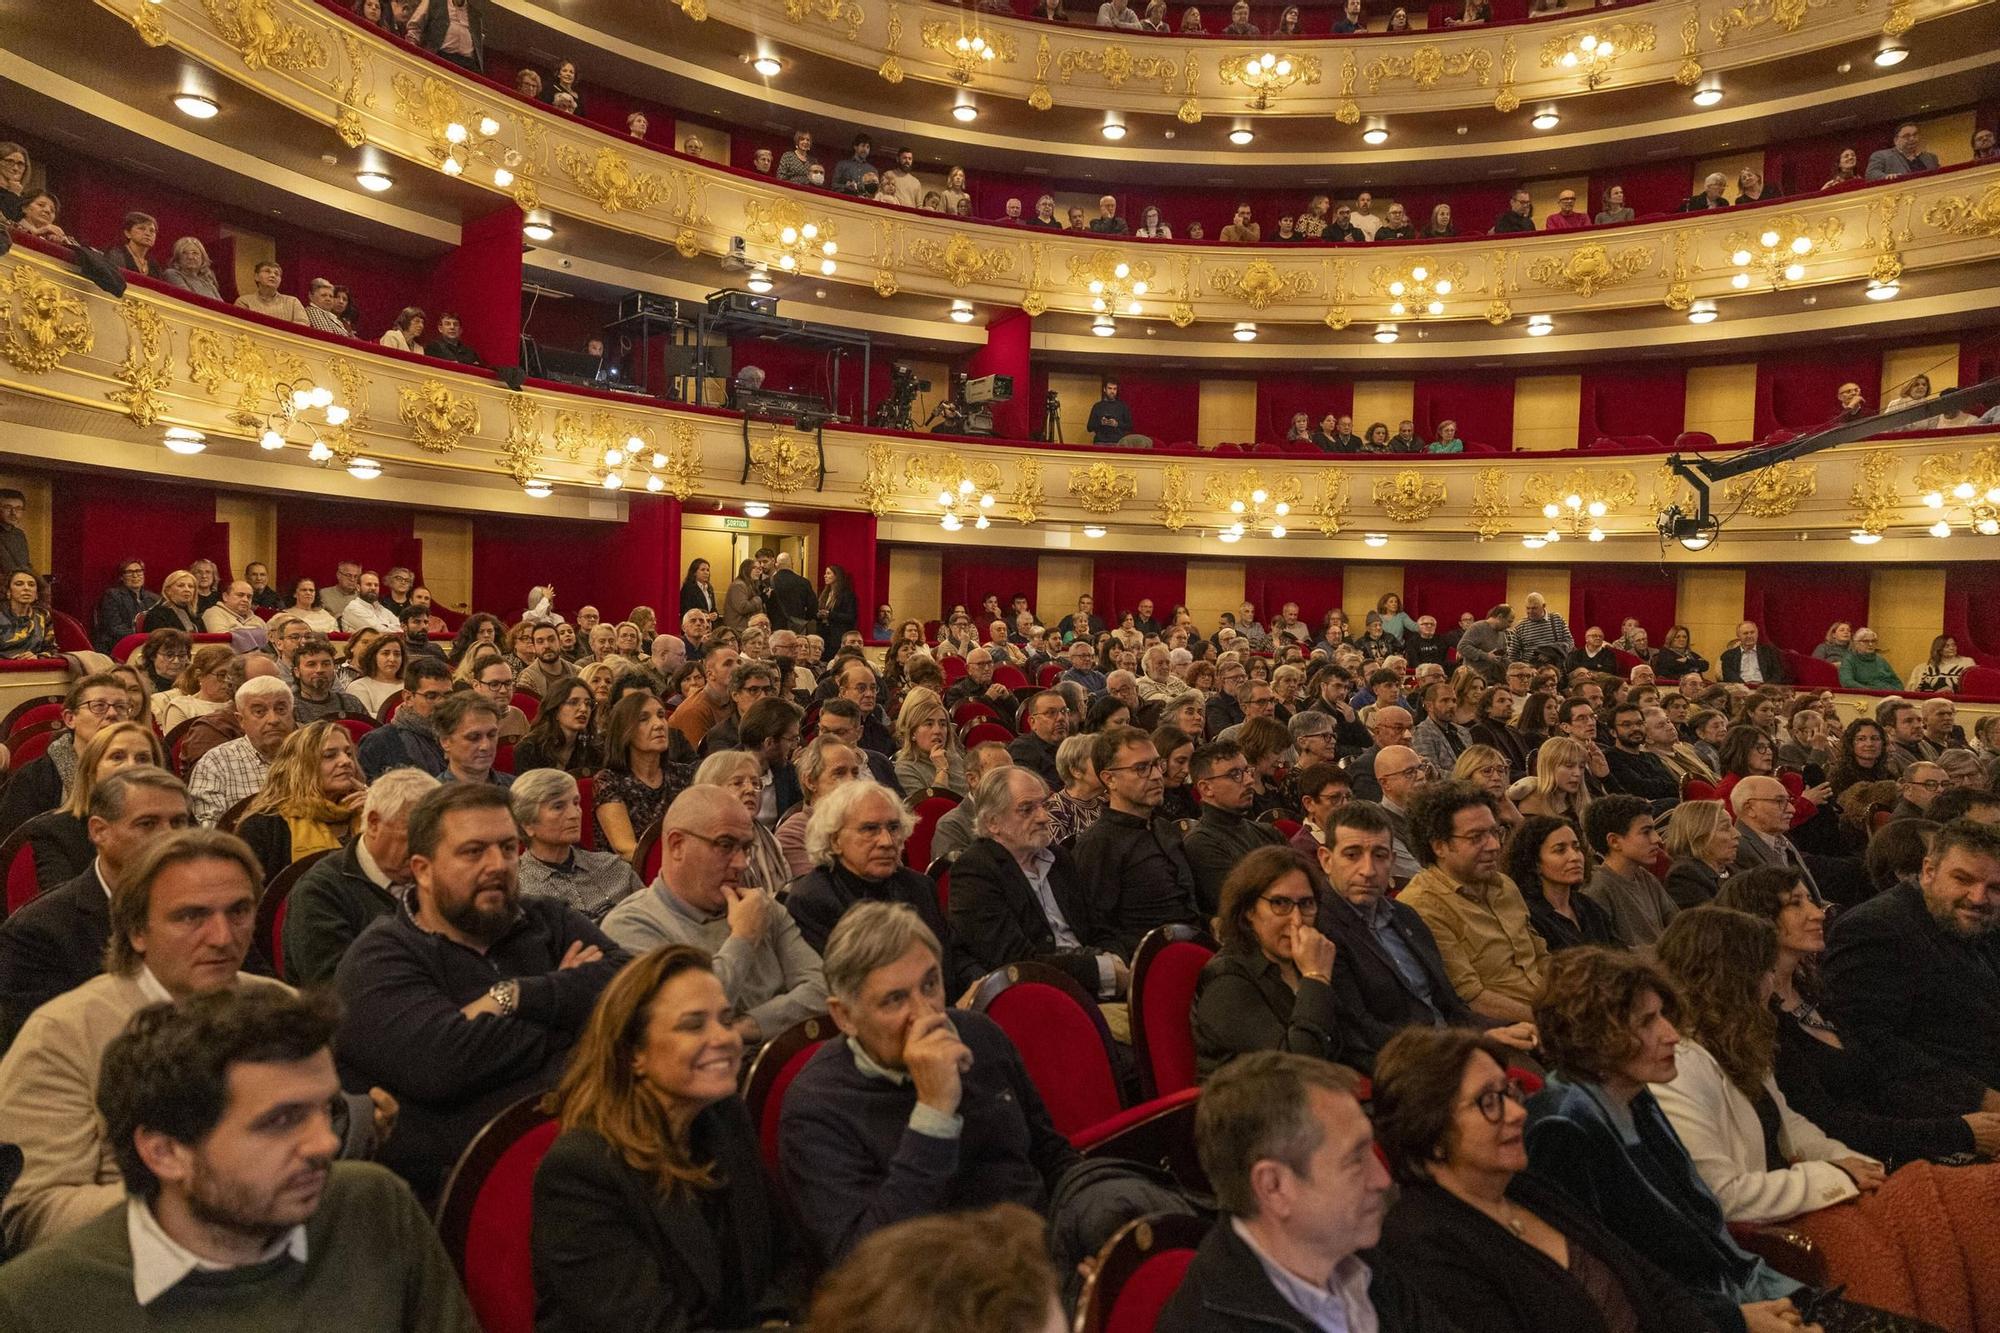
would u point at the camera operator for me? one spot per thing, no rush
(1111, 418)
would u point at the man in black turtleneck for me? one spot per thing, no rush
(1224, 834)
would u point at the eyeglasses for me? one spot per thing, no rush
(1283, 906)
(1423, 766)
(1493, 770)
(1149, 767)
(133, 569)
(1241, 773)
(1934, 786)
(1492, 1103)
(727, 846)
(106, 707)
(1478, 836)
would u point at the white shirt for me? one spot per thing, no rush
(1748, 669)
(358, 615)
(1340, 1307)
(1365, 223)
(1066, 937)
(159, 1262)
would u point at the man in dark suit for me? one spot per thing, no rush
(1225, 833)
(1046, 723)
(1907, 156)
(1912, 976)
(1751, 661)
(1014, 896)
(1712, 194)
(56, 942)
(792, 604)
(1387, 972)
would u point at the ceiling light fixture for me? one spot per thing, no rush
(364, 469)
(1707, 96)
(1093, 530)
(1376, 539)
(271, 439)
(759, 280)
(1245, 331)
(1883, 290)
(1863, 537)
(1103, 326)
(964, 113)
(1540, 326)
(1241, 137)
(1375, 135)
(756, 509)
(538, 488)
(612, 481)
(1534, 543)
(321, 451)
(769, 66)
(196, 106)
(503, 178)
(184, 440)
(375, 180)
(1385, 333)
(961, 312)
(1702, 312)
(1546, 119)
(539, 228)
(1891, 55)
(1114, 129)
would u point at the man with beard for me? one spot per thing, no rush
(235, 1213)
(468, 998)
(366, 611)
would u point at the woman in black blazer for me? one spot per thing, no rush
(698, 589)
(651, 1212)
(1496, 1248)
(838, 612)
(1271, 987)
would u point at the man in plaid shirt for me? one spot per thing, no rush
(236, 769)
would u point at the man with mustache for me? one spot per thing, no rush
(469, 996)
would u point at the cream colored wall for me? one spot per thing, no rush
(1551, 583)
(1078, 393)
(1728, 164)
(1059, 581)
(1363, 585)
(1386, 401)
(713, 545)
(714, 144)
(447, 543)
(1722, 400)
(251, 249)
(1937, 360)
(1710, 603)
(916, 580)
(1906, 610)
(1546, 411)
(253, 531)
(1950, 137)
(1544, 194)
(1227, 413)
(1213, 586)
(35, 523)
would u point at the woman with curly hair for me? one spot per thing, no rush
(479, 628)
(309, 800)
(163, 656)
(1864, 755)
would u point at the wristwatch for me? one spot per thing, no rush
(507, 995)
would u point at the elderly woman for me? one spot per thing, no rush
(739, 773)
(177, 606)
(1606, 1019)
(554, 864)
(162, 657)
(406, 334)
(822, 765)
(563, 735)
(1702, 839)
(1823, 1079)
(1493, 1245)
(855, 838)
(928, 753)
(636, 784)
(1271, 986)
(1082, 800)
(309, 799)
(651, 1208)
(1545, 858)
(201, 688)
(1487, 768)
(60, 839)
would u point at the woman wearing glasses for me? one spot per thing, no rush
(49, 781)
(1271, 986)
(1495, 1247)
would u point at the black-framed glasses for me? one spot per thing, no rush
(1241, 773)
(1283, 906)
(106, 707)
(727, 846)
(1934, 786)
(1150, 766)
(1492, 1103)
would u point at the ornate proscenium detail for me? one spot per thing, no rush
(606, 179)
(784, 462)
(1408, 497)
(439, 418)
(264, 37)
(40, 323)
(968, 47)
(148, 366)
(1591, 268)
(1579, 499)
(1874, 498)
(1780, 249)
(1102, 488)
(1418, 288)
(962, 260)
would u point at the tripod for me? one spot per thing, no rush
(1052, 432)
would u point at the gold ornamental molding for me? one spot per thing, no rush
(102, 389)
(573, 170)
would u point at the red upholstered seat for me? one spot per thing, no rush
(981, 732)
(973, 710)
(1011, 676)
(1694, 439)
(772, 1072)
(646, 856)
(1289, 827)
(46, 708)
(954, 668)
(1046, 676)
(932, 808)
(1626, 661)
(586, 794)
(1980, 682)
(1165, 970)
(1810, 670)
(486, 1212)
(503, 757)
(357, 727)
(71, 636)
(1137, 1273)
(1062, 1042)
(942, 879)
(269, 930)
(32, 742)
(527, 703)
(389, 708)
(19, 859)
(1144, 1296)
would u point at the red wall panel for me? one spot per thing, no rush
(1279, 396)
(971, 572)
(1316, 585)
(1603, 595)
(1626, 400)
(1797, 391)
(1119, 581)
(314, 536)
(1482, 403)
(99, 522)
(1443, 588)
(1793, 604)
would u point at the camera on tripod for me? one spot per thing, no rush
(894, 412)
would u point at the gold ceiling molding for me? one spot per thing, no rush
(1776, 491)
(1102, 488)
(1430, 64)
(266, 36)
(40, 322)
(438, 417)
(216, 359)
(1967, 214)
(607, 179)
(1115, 63)
(1408, 496)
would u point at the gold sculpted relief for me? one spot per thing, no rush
(1965, 215)
(1027, 498)
(1175, 494)
(148, 367)
(1329, 511)
(962, 260)
(606, 179)
(1407, 497)
(1115, 63)
(263, 37)
(215, 360)
(845, 15)
(682, 471)
(1591, 268)
(41, 325)
(785, 462)
(1430, 64)
(878, 488)
(1776, 491)
(439, 419)
(1874, 495)
(1102, 488)
(1490, 510)
(1262, 284)
(524, 437)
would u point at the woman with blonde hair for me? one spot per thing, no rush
(190, 269)
(1558, 788)
(738, 773)
(927, 752)
(1082, 800)
(1701, 838)
(60, 839)
(627, 638)
(647, 622)
(1486, 768)
(651, 1208)
(201, 688)
(177, 606)
(309, 800)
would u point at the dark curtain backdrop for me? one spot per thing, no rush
(848, 540)
(1481, 402)
(1443, 588)
(1797, 391)
(1316, 585)
(1118, 581)
(1625, 402)
(1794, 603)
(316, 535)
(99, 523)
(1972, 609)
(1280, 395)
(971, 572)
(1603, 595)
(613, 566)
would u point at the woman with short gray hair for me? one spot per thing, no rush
(1077, 806)
(738, 773)
(549, 809)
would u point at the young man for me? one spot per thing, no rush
(1620, 830)
(468, 731)
(1133, 868)
(218, 1113)
(313, 694)
(1224, 834)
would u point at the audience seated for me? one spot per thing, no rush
(409, 739)
(1224, 835)
(309, 801)
(1545, 859)
(59, 840)
(976, 1272)
(548, 806)
(1477, 916)
(48, 782)
(341, 893)
(638, 782)
(1621, 834)
(1135, 873)
(1271, 985)
(236, 770)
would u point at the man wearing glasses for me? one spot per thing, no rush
(1763, 825)
(1035, 748)
(1225, 833)
(1134, 871)
(1389, 725)
(119, 609)
(1920, 785)
(45, 783)
(1475, 913)
(408, 740)
(771, 975)
(1400, 773)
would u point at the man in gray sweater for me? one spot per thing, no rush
(771, 975)
(1484, 645)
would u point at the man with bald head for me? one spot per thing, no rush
(1919, 784)
(771, 975)
(1388, 724)
(1763, 825)
(977, 682)
(1400, 773)
(669, 654)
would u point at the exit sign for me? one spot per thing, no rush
(736, 524)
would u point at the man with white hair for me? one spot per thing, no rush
(1763, 824)
(855, 838)
(791, 601)
(1161, 675)
(1123, 686)
(771, 975)
(234, 770)
(955, 832)
(1541, 635)
(821, 766)
(336, 899)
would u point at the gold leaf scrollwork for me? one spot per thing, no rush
(1338, 316)
(344, 438)
(1175, 494)
(842, 14)
(962, 260)
(1407, 497)
(1874, 494)
(935, 474)
(606, 179)
(953, 42)
(1690, 71)
(1490, 511)
(1264, 81)
(697, 10)
(347, 120)
(682, 472)
(1348, 111)
(1189, 112)
(1115, 63)
(1591, 268)
(878, 488)
(439, 419)
(1776, 491)
(41, 324)
(1039, 97)
(891, 68)
(1593, 53)
(1901, 18)
(766, 219)
(1506, 101)
(1102, 488)
(1262, 284)
(1785, 14)
(264, 37)
(148, 365)
(1027, 499)
(215, 360)
(1965, 215)
(524, 437)
(785, 462)
(1329, 511)
(146, 22)
(1680, 275)
(1033, 300)
(1429, 64)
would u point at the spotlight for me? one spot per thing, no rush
(1240, 137)
(270, 439)
(965, 113)
(184, 440)
(364, 469)
(612, 481)
(1114, 130)
(1103, 326)
(1863, 537)
(1702, 312)
(1882, 291)
(961, 312)
(756, 509)
(538, 228)
(1895, 53)
(1540, 326)
(1245, 331)
(1093, 530)
(1376, 539)
(374, 179)
(196, 106)
(769, 66)
(1707, 96)
(1375, 136)
(759, 280)
(1385, 333)
(538, 488)
(1940, 529)
(1546, 120)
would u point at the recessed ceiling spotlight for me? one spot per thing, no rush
(965, 113)
(759, 280)
(1240, 137)
(961, 312)
(1103, 326)
(1375, 136)
(1702, 312)
(538, 228)
(1093, 530)
(1461, 129)
(1385, 333)
(1114, 129)
(1707, 96)
(1844, 67)
(538, 488)
(184, 440)
(364, 469)
(1377, 539)
(1540, 326)
(373, 179)
(1863, 537)
(769, 66)
(756, 509)
(1245, 331)
(196, 106)
(1879, 290)
(1895, 53)
(1546, 119)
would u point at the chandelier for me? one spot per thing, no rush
(1778, 253)
(1418, 291)
(1592, 55)
(466, 145)
(1970, 499)
(1119, 293)
(964, 504)
(635, 461)
(1263, 75)
(807, 243)
(308, 407)
(1577, 502)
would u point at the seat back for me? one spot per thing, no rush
(503, 757)
(930, 809)
(269, 930)
(1137, 1273)
(41, 708)
(981, 732)
(1063, 1042)
(17, 862)
(1819, 673)
(390, 706)
(355, 727)
(772, 1072)
(954, 668)
(527, 703)
(973, 711)
(1011, 676)
(33, 740)
(486, 1213)
(1046, 676)
(1980, 681)
(646, 856)
(1165, 970)
(71, 636)
(586, 795)
(942, 879)
(173, 741)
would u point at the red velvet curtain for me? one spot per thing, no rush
(1009, 336)
(315, 535)
(1481, 402)
(1650, 187)
(971, 572)
(1279, 396)
(615, 566)
(848, 540)
(1118, 581)
(1603, 595)
(1797, 391)
(1166, 404)
(97, 523)
(1316, 585)
(1794, 603)
(1443, 588)
(1626, 401)
(1972, 608)
(480, 282)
